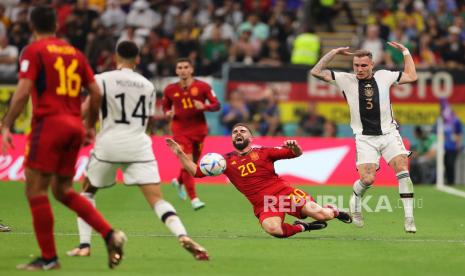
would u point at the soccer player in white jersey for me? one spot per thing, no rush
(372, 122)
(128, 102)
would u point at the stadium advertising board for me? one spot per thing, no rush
(412, 104)
(323, 162)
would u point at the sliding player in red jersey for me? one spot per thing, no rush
(185, 102)
(251, 170)
(53, 72)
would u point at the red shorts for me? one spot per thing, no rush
(192, 144)
(53, 144)
(286, 201)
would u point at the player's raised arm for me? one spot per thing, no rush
(293, 146)
(318, 70)
(410, 73)
(186, 162)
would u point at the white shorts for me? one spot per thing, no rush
(103, 174)
(371, 148)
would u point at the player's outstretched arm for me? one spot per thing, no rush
(318, 70)
(186, 163)
(17, 105)
(294, 146)
(410, 73)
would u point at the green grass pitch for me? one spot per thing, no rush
(236, 243)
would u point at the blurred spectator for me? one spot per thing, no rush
(453, 51)
(185, 44)
(166, 66)
(63, 9)
(310, 122)
(214, 52)
(395, 58)
(260, 30)
(424, 56)
(130, 34)
(159, 123)
(306, 49)
(330, 129)
(4, 19)
(423, 159)
(232, 12)
(171, 13)
(141, 16)
(438, 34)
(329, 9)
(79, 24)
(444, 12)
(8, 58)
(23, 6)
(452, 139)
(101, 44)
(374, 44)
(273, 53)
(19, 35)
(114, 17)
(379, 18)
(267, 120)
(244, 49)
(236, 111)
(225, 30)
(257, 6)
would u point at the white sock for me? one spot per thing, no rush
(166, 212)
(360, 188)
(85, 230)
(406, 192)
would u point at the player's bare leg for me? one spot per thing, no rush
(42, 218)
(325, 213)
(189, 184)
(167, 214)
(400, 166)
(367, 173)
(85, 230)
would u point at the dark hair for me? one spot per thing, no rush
(363, 53)
(43, 19)
(184, 60)
(242, 125)
(127, 50)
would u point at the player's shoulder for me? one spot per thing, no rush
(201, 84)
(383, 72)
(171, 86)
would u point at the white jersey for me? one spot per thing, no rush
(369, 101)
(128, 102)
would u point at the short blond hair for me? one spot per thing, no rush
(363, 53)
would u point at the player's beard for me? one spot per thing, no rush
(241, 145)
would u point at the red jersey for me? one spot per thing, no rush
(58, 71)
(253, 174)
(187, 119)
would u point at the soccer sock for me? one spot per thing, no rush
(290, 230)
(85, 230)
(189, 183)
(406, 192)
(166, 212)
(87, 212)
(359, 188)
(42, 219)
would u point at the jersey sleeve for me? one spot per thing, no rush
(166, 101)
(278, 153)
(199, 173)
(214, 104)
(29, 64)
(391, 76)
(339, 78)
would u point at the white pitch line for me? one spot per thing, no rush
(146, 235)
(452, 191)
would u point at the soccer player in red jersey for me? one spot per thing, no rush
(185, 103)
(251, 170)
(53, 72)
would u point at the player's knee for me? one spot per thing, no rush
(273, 229)
(368, 179)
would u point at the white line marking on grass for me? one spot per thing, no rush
(226, 237)
(452, 191)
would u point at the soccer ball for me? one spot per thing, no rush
(212, 164)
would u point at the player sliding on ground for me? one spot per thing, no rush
(122, 143)
(251, 170)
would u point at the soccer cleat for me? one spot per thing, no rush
(197, 204)
(40, 264)
(115, 248)
(83, 250)
(311, 226)
(409, 225)
(344, 217)
(199, 253)
(4, 228)
(355, 206)
(179, 188)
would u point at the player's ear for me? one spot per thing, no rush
(137, 60)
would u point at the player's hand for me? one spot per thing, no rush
(175, 147)
(7, 140)
(90, 136)
(199, 105)
(397, 45)
(294, 146)
(343, 51)
(169, 114)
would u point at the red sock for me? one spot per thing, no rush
(290, 230)
(42, 219)
(189, 183)
(87, 212)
